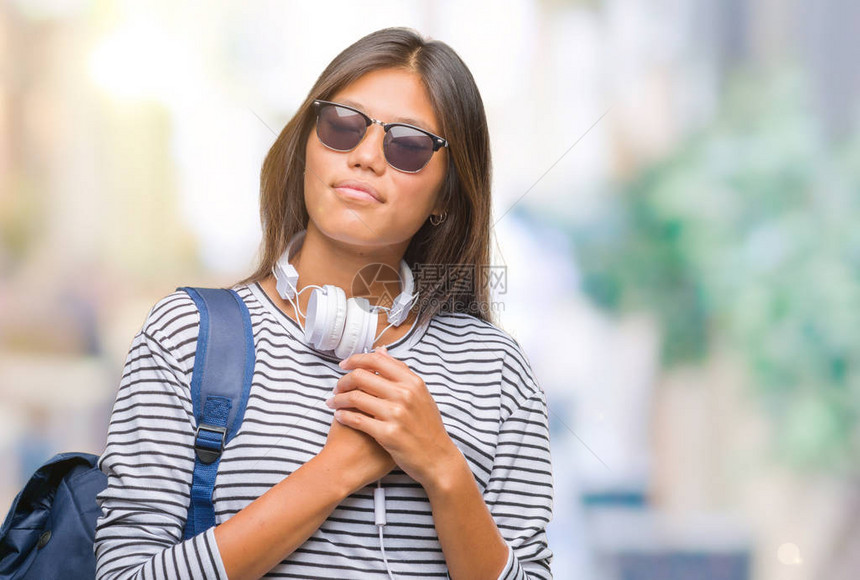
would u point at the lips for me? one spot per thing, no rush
(359, 186)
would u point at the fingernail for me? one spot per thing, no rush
(329, 402)
(342, 364)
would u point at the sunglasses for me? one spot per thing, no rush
(407, 148)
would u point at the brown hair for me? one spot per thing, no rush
(463, 238)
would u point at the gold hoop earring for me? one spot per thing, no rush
(439, 219)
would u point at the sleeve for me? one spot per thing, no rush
(519, 493)
(149, 460)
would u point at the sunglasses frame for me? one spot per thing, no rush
(438, 142)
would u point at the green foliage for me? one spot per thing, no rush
(750, 232)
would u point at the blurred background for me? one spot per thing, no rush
(676, 206)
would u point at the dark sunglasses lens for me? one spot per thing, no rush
(407, 149)
(340, 128)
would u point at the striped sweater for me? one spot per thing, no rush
(491, 405)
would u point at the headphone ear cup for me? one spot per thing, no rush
(325, 317)
(359, 328)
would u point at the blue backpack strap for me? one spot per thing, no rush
(220, 385)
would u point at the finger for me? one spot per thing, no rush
(365, 380)
(384, 364)
(361, 401)
(360, 422)
(384, 350)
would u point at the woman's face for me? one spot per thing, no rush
(406, 199)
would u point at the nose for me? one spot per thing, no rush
(368, 152)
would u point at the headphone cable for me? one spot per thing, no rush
(379, 513)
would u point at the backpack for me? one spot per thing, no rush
(50, 528)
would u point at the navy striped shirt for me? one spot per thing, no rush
(483, 385)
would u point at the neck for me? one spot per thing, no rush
(371, 272)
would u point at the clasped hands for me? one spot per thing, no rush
(383, 398)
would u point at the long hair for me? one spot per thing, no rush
(450, 261)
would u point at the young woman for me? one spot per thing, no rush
(385, 166)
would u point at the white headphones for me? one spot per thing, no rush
(334, 323)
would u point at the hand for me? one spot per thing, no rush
(384, 398)
(355, 456)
